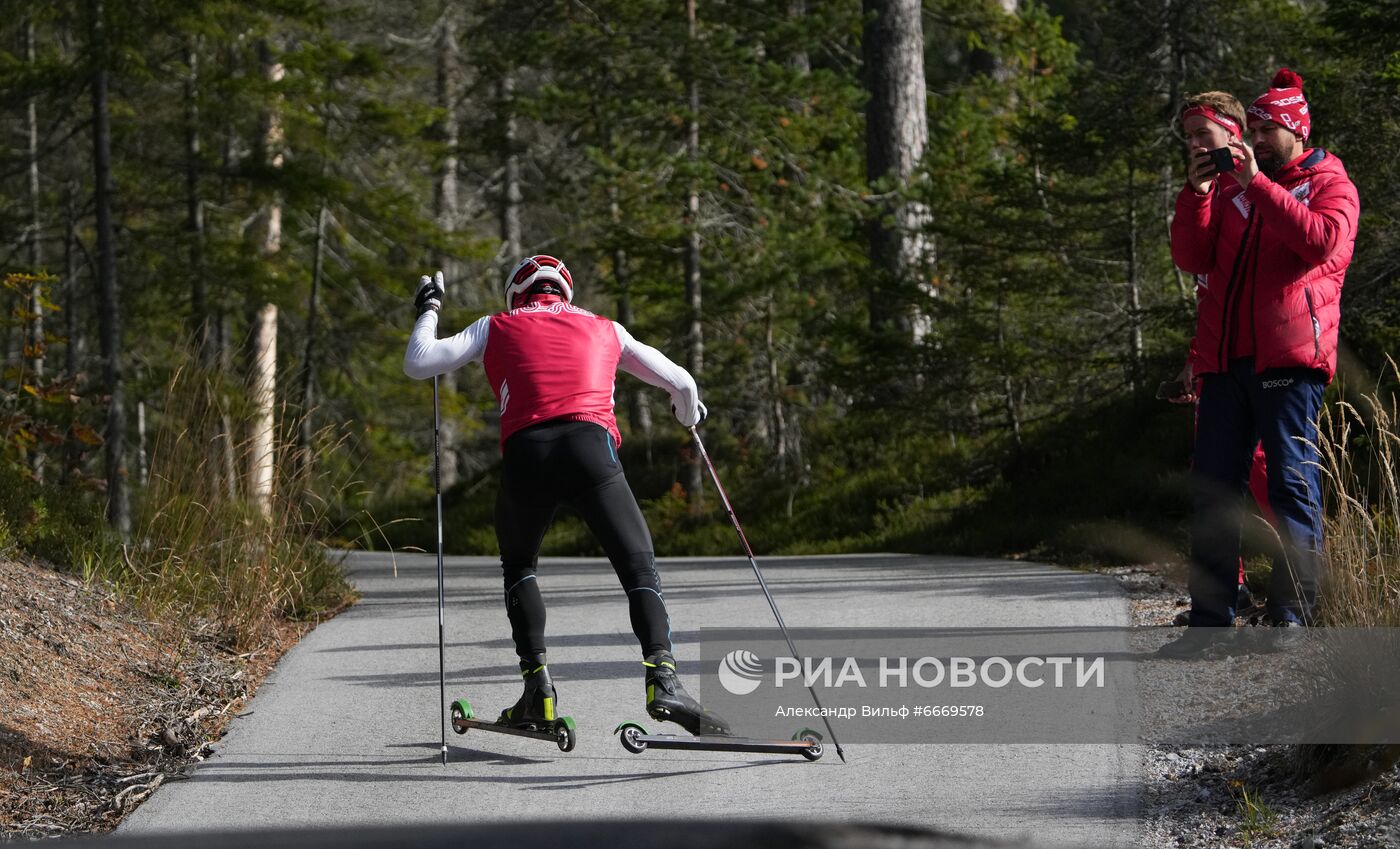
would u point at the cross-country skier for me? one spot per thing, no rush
(553, 367)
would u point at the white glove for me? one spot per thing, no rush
(695, 417)
(430, 293)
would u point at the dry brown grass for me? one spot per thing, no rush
(1359, 447)
(200, 544)
(1359, 444)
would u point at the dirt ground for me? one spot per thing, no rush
(100, 705)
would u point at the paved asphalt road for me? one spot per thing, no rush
(345, 730)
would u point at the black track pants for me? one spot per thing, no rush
(573, 463)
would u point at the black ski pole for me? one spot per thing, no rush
(442, 641)
(748, 549)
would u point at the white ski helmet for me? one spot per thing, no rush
(537, 269)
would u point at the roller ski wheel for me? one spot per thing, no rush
(815, 750)
(461, 712)
(565, 734)
(636, 740)
(631, 735)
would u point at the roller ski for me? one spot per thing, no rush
(667, 701)
(533, 715)
(637, 739)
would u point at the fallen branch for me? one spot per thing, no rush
(137, 777)
(136, 792)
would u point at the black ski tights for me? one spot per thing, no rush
(572, 463)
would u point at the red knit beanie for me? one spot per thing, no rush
(1283, 104)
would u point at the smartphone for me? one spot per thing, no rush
(1223, 159)
(1169, 389)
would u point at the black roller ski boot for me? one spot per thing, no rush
(535, 708)
(668, 701)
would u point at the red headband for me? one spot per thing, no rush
(1210, 114)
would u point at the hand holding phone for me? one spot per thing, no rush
(1170, 389)
(1223, 160)
(1200, 172)
(1177, 391)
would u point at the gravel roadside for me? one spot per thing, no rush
(1262, 797)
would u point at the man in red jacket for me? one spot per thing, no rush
(1269, 243)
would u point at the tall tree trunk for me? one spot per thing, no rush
(194, 214)
(73, 344)
(638, 412)
(72, 348)
(1173, 20)
(202, 319)
(1169, 185)
(109, 315)
(1013, 416)
(227, 436)
(262, 439)
(896, 135)
(695, 338)
(141, 442)
(1134, 288)
(221, 318)
(447, 208)
(511, 240)
(306, 429)
(446, 202)
(34, 346)
(35, 340)
(775, 389)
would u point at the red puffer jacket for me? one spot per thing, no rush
(1292, 237)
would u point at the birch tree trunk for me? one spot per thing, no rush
(263, 384)
(264, 388)
(695, 338)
